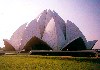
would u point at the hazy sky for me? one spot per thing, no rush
(84, 13)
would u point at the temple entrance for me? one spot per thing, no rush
(77, 44)
(36, 44)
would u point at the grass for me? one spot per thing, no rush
(33, 62)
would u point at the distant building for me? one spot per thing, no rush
(48, 32)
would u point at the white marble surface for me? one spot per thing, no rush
(49, 27)
(53, 35)
(30, 31)
(15, 39)
(91, 44)
(73, 32)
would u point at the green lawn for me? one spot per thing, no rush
(33, 62)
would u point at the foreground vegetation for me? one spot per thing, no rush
(33, 62)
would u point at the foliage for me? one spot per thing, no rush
(35, 62)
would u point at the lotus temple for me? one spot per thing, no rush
(48, 32)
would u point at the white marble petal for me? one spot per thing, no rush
(73, 32)
(53, 35)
